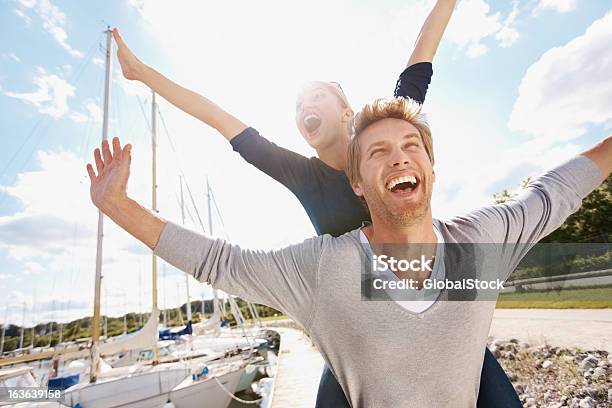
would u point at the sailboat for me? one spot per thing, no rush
(214, 391)
(20, 377)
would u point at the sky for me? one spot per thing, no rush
(518, 87)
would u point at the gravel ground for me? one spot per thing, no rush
(546, 376)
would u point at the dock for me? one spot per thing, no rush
(299, 370)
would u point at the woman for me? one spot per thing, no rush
(324, 118)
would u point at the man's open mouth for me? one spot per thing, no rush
(403, 184)
(312, 123)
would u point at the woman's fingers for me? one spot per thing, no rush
(99, 162)
(118, 38)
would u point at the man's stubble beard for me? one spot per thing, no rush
(406, 218)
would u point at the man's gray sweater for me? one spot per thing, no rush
(382, 354)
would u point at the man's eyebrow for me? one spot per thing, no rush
(410, 135)
(376, 144)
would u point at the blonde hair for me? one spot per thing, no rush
(396, 108)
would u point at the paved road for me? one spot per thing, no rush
(585, 328)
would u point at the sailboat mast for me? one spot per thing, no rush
(50, 324)
(165, 307)
(22, 326)
(4, 324)
(210, 232)
(154, 208)
(106, 315)
(186, 276)
(178, 293)
(95, 324)
(139, 298)
(125, 313)
(33, 314)
(209, 205)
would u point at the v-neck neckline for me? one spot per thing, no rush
(395, 306)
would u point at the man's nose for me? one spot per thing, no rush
(398, 158)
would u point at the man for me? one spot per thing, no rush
(372, 346)
(324, 118)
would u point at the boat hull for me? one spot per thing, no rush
(206, 393)
(138, 390)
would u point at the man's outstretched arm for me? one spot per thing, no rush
(601, 155)
(284, 279)
(188, 101)
(431, 33)
(544, 204)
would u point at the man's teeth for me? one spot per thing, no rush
(404, 179)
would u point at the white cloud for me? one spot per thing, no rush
(66, 70)
(508, 34)
(78, 117)
(11, 56)
(33, 268)
(53, 20)
(92, 113)
(476, 50)
(23, 16)
(561, 6)
(569, 89)
(98, 62)
(51, 95)
(471, 23)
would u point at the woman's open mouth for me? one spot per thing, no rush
(312, 123)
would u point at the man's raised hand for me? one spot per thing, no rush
(131, 67)
(109, 184)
